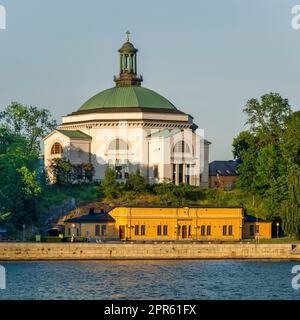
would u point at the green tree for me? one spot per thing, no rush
(291, 220)
(61, 171)
(136, 183)
(20, 187)
(266, 117)
(291, 139)
(263, 169)
(109, 185)
(28, 121)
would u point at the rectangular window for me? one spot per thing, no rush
(230, 230)
(190, 231)
(77, 232)
(103, 231)
(180, 173)
(97, 231)
(202, 230)
(224, 230)
(187, 174)
(251, 230)
(165, 230)
(143, 230)
(208, 230)
(155, 172)
(174, 173)
(257, 230)
(136, 230)
(159, 230)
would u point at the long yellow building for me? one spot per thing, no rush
(168, 223)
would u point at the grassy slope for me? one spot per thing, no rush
(55, 196)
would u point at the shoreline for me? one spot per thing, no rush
(148, 251)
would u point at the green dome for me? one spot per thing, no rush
(127, 97)
(128, 47)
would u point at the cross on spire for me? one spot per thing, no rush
(127, 36)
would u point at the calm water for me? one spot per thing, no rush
(150, 280)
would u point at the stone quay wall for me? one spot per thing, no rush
(148, 251)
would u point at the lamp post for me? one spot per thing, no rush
(277, 225)
(73, 232)
(24, 227)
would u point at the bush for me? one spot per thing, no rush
(66, 173)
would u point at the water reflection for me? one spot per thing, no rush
(149, 280)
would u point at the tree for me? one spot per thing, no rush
(263, 169)
(266, 117)
(20, 187)
(109, 184)
(242, 143)
(65, 173)
(291, 139)
(136, 183)
(291, 219)
(61, 171)
(28, 121)
(89, 172)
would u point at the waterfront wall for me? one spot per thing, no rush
(114, 251)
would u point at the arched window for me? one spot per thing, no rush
(118, 144)
(57, 148)
(181, 147)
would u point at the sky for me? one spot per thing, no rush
(207, 57)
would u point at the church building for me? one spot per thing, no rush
(129, 128)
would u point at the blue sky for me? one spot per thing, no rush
(207, 57)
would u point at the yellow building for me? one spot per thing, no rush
(167, 223)
(256, 228)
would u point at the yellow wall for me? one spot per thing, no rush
(264, 228)
(178, 223)
(88, 230)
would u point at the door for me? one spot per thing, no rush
(184, 232)
(122, 232)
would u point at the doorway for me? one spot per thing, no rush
(122, 232)
(184, 232)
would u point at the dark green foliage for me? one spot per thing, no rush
(267, 150)
(290, 143)
(21, 129)
(109, 186)
(61, 170)
(291, 217)
(19, 188)
(136, 183)
(30, 122)
(183, 194)
(65, 173)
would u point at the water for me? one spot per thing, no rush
(224, 279)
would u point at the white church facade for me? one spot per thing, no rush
(129, 128)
